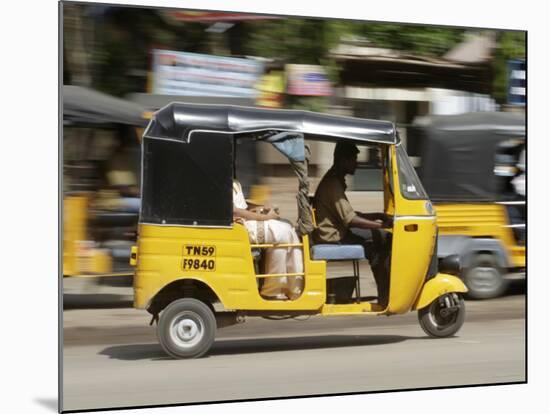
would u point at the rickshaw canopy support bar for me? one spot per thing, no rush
(275, 245)
(279, 275)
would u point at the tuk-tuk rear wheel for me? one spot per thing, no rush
(187, 328)
(444, 316)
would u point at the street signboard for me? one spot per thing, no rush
(517, 82)
(193, 74)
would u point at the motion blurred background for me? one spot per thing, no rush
(120, 64)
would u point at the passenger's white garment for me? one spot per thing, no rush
(519, 181)
(519, 184)
(278, 260)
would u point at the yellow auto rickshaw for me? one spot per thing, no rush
(469, 163)
(196, 269)
(98, 228)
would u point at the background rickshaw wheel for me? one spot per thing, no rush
(484, 278)
(439, 326)
(187, 328)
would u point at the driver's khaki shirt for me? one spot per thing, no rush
(333, 211)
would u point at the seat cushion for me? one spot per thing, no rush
(338, 252)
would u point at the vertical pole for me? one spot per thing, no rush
(357, 282)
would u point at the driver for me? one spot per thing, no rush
(339, 223)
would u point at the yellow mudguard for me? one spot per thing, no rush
(439, 285)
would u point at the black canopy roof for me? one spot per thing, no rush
(90, 107)
(458, 153)
(179, 120)
(505, 123)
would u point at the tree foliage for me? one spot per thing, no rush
(310, 41)
(511, 45)
(305, 41)
(124, 37)
(429, 41)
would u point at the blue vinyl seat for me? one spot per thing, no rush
(338, 252)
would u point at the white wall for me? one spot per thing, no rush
(449, 102)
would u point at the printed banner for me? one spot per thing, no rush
(307, 80)
(192, 74)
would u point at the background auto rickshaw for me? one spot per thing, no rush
(195, 267)
(98, 228)
(468, 165)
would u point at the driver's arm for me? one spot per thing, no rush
(371, 216)
(363, 223)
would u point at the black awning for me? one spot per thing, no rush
(89, 107)
(477, 123)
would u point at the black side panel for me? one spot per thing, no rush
(458, 166)
(188, 183)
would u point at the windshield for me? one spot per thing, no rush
(409, 183)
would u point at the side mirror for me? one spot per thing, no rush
(450, 265)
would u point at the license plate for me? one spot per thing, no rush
(199, 258)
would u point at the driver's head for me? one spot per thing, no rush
(345, 157)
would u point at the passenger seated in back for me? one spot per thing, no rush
(517, 213)
(264, 226)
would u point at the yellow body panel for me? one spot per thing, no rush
(517, 256)
(351, 309)
(412, 248)
(411, 254)
(233, 279)
(480, 220)
(439, 285)
(80, 257)
(102, 262)
(74, 231)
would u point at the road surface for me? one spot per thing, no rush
(112, 357)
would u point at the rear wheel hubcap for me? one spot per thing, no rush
(186, 330)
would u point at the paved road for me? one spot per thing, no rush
(112, 358)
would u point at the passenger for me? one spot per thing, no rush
(264, 226)
(517, 213)
(338, 223)
(122, 177)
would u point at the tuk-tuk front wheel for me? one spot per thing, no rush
(484, 278)
(187, 328)
(444, 316)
